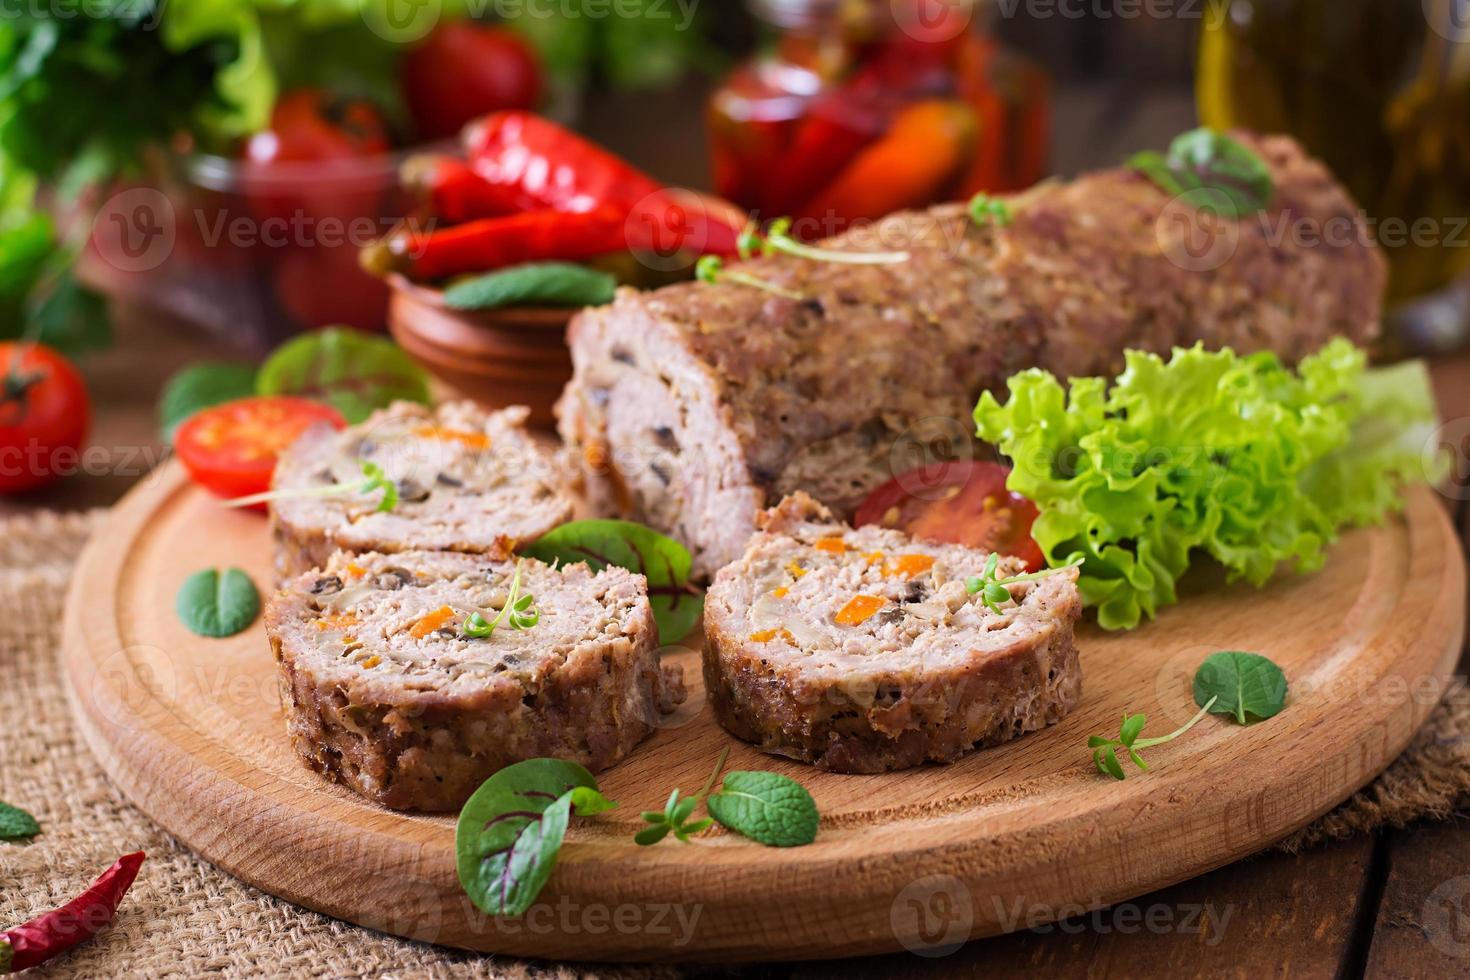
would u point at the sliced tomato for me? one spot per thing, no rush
(231, 449)
(962, 502)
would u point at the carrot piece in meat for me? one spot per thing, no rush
(859, 609)
(431, 622)
(907, 566)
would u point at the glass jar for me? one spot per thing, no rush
(856, 108)
(1380, 91)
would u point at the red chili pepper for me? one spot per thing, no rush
(453, 191)
(86, 915)
(546, 166)
(490, 243)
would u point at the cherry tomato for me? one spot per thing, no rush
(44, 416)
(321, 286)
(312, 160)
(464, 70)
(962, 502)
(231, 449)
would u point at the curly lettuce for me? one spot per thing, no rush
(1238, 457)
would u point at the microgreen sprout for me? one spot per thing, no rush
(778, 239)
(986, 210)
(674, 817)
(1105, 750)
(374, 479)
(993, 591)
(518, 613)
(711, 269)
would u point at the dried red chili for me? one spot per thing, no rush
(86, 915)
(548, 166)
(491, 243)
(454, 192)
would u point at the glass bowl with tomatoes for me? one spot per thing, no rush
(259, 239)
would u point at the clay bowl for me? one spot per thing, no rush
(497, 357)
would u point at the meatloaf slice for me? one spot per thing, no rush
(694, 406)
(384, 691)
(863, 651)
(468, 480)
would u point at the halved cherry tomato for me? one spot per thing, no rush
(44, 416)
(231, 449)
(962, 502)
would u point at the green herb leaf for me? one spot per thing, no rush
(216, 605)
(16, 824)
(1240, 684)
(662, 560)
(511, 830)
(201, 386)
(533, 284)
(1226, 174)
(767, 807)
(349, 370)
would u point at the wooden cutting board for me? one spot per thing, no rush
(1008, 838)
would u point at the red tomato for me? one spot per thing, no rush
(311, 160)
(231, 449)
(44, 416)
(464, 70)
(962, 502)
(320, 287)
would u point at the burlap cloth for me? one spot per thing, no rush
(184, 918)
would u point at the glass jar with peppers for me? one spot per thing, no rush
(863, 107)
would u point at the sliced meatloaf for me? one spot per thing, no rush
(694, 406)
(468, 480)
(384, 690)
(863, 650)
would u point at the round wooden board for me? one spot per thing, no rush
(1010, 837)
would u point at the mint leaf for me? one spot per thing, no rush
(16, 824)
(201, 386)
(533, 284)
(767, 807)
(1204, 159)
(511, 830)
(349, 370)
(1241, 684)
(662, 560)
(215, 605)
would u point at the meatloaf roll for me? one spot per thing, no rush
(394, 684)
(468, 480)
(864, 651)
(694, 406)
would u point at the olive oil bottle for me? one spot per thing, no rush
(1380, 90)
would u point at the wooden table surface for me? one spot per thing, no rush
(1355, 908)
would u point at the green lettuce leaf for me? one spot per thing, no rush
(1237, 457)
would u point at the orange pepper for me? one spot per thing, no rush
(766, 636)
(431, 622)
(859, 609)
(832, 544)
(928, 144)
